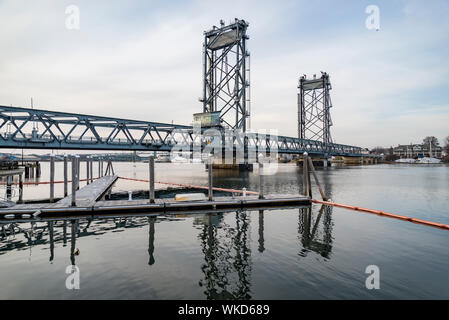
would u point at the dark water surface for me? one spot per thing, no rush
(294, 253)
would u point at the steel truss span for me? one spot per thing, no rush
(43, 129)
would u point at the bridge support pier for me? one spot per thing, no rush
(353, 160)
(317, 162)
(218, 163)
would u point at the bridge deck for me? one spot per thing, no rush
(106, 133)
(98, 208)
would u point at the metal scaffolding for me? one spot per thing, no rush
(314, 103)
(225, 85)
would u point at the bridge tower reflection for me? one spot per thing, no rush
(227, 257)
(312, 237)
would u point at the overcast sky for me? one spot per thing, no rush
(143, 60)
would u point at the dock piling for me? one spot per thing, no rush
(304, 175)
(316, 179)
(309, 182)
(87, 171)
(261, 176)
(8, 187)
(78, 167)
(65, 176)
(151, 168)
(38, 169)
(73, 181)
(20, 189)
(210, 178)
(52, 178)
(91, 166)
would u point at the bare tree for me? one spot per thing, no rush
(431, 140)
(446, 149)
(390, 156)
(379, 150)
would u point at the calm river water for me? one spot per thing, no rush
(294, 253)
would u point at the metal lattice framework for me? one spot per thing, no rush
(18, 129)
(62, 130)
(314, 103)
(225, 86)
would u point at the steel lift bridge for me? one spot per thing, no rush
(226, 106)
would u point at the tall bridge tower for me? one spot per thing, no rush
(225, 74)
(314, 103)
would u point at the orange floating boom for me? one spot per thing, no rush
(386, 214)
(378, 212)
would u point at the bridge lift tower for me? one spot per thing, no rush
(314, 103)
(226, 74)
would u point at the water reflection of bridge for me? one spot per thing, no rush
(312, 237)
(227, 257)
(225, 243)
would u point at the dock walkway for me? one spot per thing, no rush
(98, 208)
(88, 195)
(85, 197)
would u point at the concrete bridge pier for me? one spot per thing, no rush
(359, 160)
(317, 162)
(353, 160)
(220, 163)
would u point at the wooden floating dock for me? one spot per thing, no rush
(88, 195)
(89, 200)
(99, 208)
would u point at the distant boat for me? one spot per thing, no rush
(428, 160)
(406, 160)
(424, 160)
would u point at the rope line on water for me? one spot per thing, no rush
(190, 186)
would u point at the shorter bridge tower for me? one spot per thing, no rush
(314, 103)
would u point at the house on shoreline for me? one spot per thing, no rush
(418, 151)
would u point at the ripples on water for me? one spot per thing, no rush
(293, 253)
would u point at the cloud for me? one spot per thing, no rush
(143, 61)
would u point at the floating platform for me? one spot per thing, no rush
(89, 200)
(102, 207)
